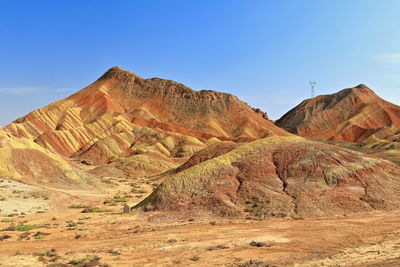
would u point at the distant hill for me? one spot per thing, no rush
(351, 115)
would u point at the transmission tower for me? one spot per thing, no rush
(312, 84)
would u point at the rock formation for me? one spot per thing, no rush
(123, 116)
(278, 177)
(25, 161)
(352, 115)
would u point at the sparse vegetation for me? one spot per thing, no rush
(24, 235)
(259, 244)
(138, 191)
(91, 210)
(71, 224)
(4, 237)
(27, 227)
(79, 206)
(254, 263)
(87, 261)
(12, 227)
(120, 199)
(258, 208)
(297, 217)
(217, 247)
(39, 236)
(57, 264)
(50, 257)
(114, 252)
(195, 258)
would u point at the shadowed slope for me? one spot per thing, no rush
(280, 176)
(352, 115)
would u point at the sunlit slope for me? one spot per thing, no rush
(122, 115)
(352, 115)
(23, 160)
(278, 177)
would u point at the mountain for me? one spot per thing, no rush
(123, 117)
(351, 115)
(25, 161)
(278, 177)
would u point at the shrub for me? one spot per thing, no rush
(259, 244)
(26, 227)
(195, 258)
(120, 199)
(297, 217)
(39, 236)
(138, 191)
(78, 206)
(71, 224)
(254, 263)
(90, 210)
(12, 227)
(24, 235)
(88, 261)
(4, 237)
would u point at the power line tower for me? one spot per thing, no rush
(312, 84)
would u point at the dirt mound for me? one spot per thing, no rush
(122, 116)
(352, 115)
(280, 176)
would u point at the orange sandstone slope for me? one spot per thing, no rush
(123, 115)
(351, 115)
(278, 177)
(25, 161)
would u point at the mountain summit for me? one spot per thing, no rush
(123, 115)
(353, 115)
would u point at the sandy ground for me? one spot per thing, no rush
(132, 240)
(14, 196)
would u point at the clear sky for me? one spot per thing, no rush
(263, 51)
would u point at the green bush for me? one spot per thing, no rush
(26, 227)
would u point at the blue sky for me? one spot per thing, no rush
(265, 52)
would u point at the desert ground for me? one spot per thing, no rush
(200, 133)
(74, 227)
(210, 181)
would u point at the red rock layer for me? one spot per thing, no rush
(112, 114)
(352, 115)
(23, 160)
(279, 177)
